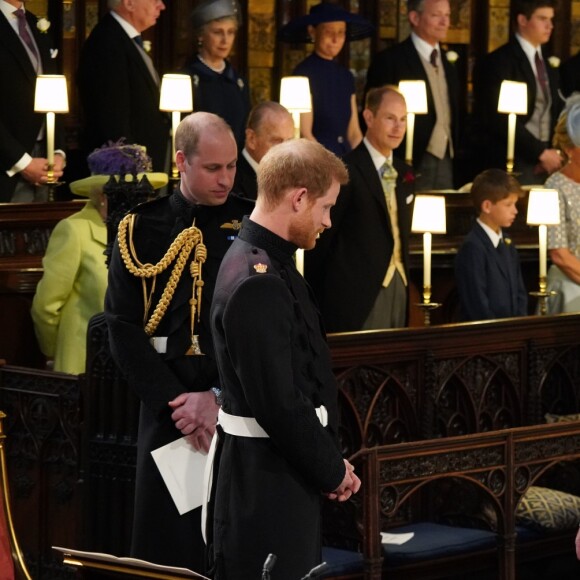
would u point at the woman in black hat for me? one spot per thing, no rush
(217, 88)
(334, 118)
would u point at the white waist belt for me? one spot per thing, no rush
(159, 343)
(238, 427)
(249, 427)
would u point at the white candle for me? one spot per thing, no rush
(50, 138)
(409, 143)
(543, 233)
(511, 136)
(175, 120)
(427, 236)
(300, 260)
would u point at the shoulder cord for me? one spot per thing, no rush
(180, 251)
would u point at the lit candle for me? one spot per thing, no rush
(409, 144)
(511, 136)
(50, 138)
(543, 233)
(300, 260)
(175, 120)
(427, 237)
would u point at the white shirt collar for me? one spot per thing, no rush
(8, 11)
(131, 31)
(530, 50)
(377, 157)
(253, 163)
(495, 238)
(424, 48)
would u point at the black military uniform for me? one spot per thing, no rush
(160, 534)
(275, 367)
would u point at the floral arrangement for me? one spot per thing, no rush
(452, 56)
(147, 46)
(409, 177)
(43, 25)
(119, 159)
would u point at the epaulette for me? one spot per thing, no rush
(146, 205)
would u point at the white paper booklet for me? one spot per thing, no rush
(182, 468)
(397, 539)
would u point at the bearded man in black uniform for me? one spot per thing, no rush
(278, 447)
(161, 279)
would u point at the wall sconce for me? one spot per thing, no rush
(295, 97)
(50, 97)
(176, 98)
(415, 94)
(513, 100)
(543, 210)
(428, 218)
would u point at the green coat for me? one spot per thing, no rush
(72, 288)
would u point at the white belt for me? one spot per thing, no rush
(159, 343)
(238, 427)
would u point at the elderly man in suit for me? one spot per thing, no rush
(359, 268)
(420, 57)
(118, 84)
(269, 123)
(24, 54)
(521, 59)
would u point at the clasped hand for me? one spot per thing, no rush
(195, 415)
(349, 486)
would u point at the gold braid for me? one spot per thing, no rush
(179, 251)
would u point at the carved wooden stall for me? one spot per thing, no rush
(71, 445)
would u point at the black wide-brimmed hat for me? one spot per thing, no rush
(357, 27)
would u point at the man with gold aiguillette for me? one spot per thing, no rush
(161, 279)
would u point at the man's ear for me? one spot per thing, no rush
(180, 160)
(413, 18)
(250, 140)
(486, 206)
(368, 117)
(299, 198)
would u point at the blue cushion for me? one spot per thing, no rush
(341, 561)
(436, 541)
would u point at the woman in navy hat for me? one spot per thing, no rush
(334, 118)
(217, 88)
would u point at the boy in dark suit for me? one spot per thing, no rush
(487, 267)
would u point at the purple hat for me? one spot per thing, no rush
(357, 27)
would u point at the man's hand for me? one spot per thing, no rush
(550, 160)
(195, 415)
(350, 484)
(36, 172)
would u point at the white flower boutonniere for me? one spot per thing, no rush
(147, 46)
(241, 84)
(554, 61)
(452, 56)
(43, 25)
(195, 81)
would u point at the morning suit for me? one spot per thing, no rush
(402, 62)
(19, 124)
(570, 75)
(349, 263)
(489, 279)
(246, 180)
(160, 534)
(72, 288)
(509, 62)
(274, 366)
(119, 95)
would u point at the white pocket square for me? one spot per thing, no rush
(53, 52)
(409, 199)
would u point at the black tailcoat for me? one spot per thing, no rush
(246, 182)
(19, 124)
(118, 95)
(349, 263)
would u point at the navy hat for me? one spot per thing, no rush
(296, 30)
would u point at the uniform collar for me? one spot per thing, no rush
(274, 245)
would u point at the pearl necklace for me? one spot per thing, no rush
(221, 69)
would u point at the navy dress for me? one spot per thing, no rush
(332, 87)
(226, 94)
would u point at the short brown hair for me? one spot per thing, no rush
(494, 185)
(528, 7)
(190, 129)
(298, 163)
(375, 96)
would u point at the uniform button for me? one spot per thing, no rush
(340, 139)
